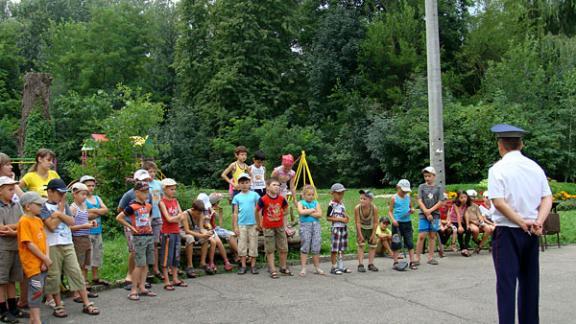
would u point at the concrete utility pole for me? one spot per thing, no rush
(435, 114)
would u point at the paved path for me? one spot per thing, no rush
(459, 290)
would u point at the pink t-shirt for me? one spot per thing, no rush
(454, 216)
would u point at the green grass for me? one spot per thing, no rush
(115, 251)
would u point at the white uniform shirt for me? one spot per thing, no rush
(521, 182)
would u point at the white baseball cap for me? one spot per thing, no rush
(404, 185)
(141, 175)
(79, 186)
(7, 181)
(85, 178)
(244, 176)
(205, 199)
(486, 194)
(167, 182)
(429, 169)
(215, 197)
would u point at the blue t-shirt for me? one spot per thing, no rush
(246, 202)
(61, 235)
(155, 197)
(98, 229)
(402, 208)
(308, 205)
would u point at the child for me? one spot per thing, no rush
(170, 249)
(476, 223)
(137, 218)
(96, 209)
(192, 226)
(271, 209)
(10, 267)
(32, 248)
(6, 171)
(366, 220)
(258, 172)
(399, 212)
(128, 197)
(81, 232)
(223, 234)
(236, 168)
(155, 197)
(384, 235)
(57, 220)
(457, 212)
(429, 200)
(40, 173)
(446, 229)
(245, 223)
(310, 238)
(285, 175)
(337, 215)
(208, 224)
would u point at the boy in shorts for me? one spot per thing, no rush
(245, 223)
(271, 209)
(399, 211)
(10, 268)
(339, 231)
(366, 220)
(57, 220)
(33, 251)
(136, 217)
(430, 198)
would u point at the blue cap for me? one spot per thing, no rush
(508, 131)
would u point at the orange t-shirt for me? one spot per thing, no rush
(31, 229)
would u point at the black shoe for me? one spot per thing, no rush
(8, 318)
(254, 271)
(361, 268)
(242, 270)
(372, 268)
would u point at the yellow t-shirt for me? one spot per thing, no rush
(383, 233)
(34, 182)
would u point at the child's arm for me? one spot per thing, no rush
(36, 251)
(121, 218)
(302, 210)
(258, 217)
(235, 219)
(8, 230)
(317, 212)
(391, 213)
(374, 223)
(361, 237)
(227, 171)
(423, 208)
(293, 189)
(188, 230)
(164, 211)
(97, 212)
(220, 214)
(334, 219)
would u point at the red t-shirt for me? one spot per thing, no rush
(172, 208)
(272, 211)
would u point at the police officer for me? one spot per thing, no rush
(520, 192)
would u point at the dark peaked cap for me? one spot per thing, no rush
(508, 131)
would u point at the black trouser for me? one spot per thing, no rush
(464, 237)
(516, 260)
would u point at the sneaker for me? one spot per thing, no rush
(254, 271)
(242, 270)
(209, 271)
(335, 271)
(372, 268)
(190, 272)
(361, 268)
(432, 262)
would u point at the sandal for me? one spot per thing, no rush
(274, 275)
(302, 273)
(20, 313)
(319, 272)
(361, 268)
(148, 293)
(286, 272)
(169, 287)
(432, 262)
(59, 312)
(228, 266)
(78, 300)
(134, 297)
(159, 275)
(180, 284)
(90, 309)
(372, 268)
(92, 294)
(190, 272)
(22, 305)
(413, 266)
(100, 282)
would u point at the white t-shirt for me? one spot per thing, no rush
(258, 177)
(61, 234)
(487, 212)
(521, 182)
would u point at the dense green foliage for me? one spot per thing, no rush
(344, 80)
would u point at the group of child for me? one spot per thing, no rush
(43, 237)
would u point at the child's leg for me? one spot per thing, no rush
(34, 296)
(221, 249)
(333, 258)
(243, 245)
(316, 244)
(420, 245)
(175, 274)
(212, 251)
(233, 243)
(303, 261)
(204, 253)
(136, 277)
(189, 255)
(3, 297)
(252, 245)
(360, 253)
(23, 301)
(431, 244)
(386, 242)
(131, 266)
